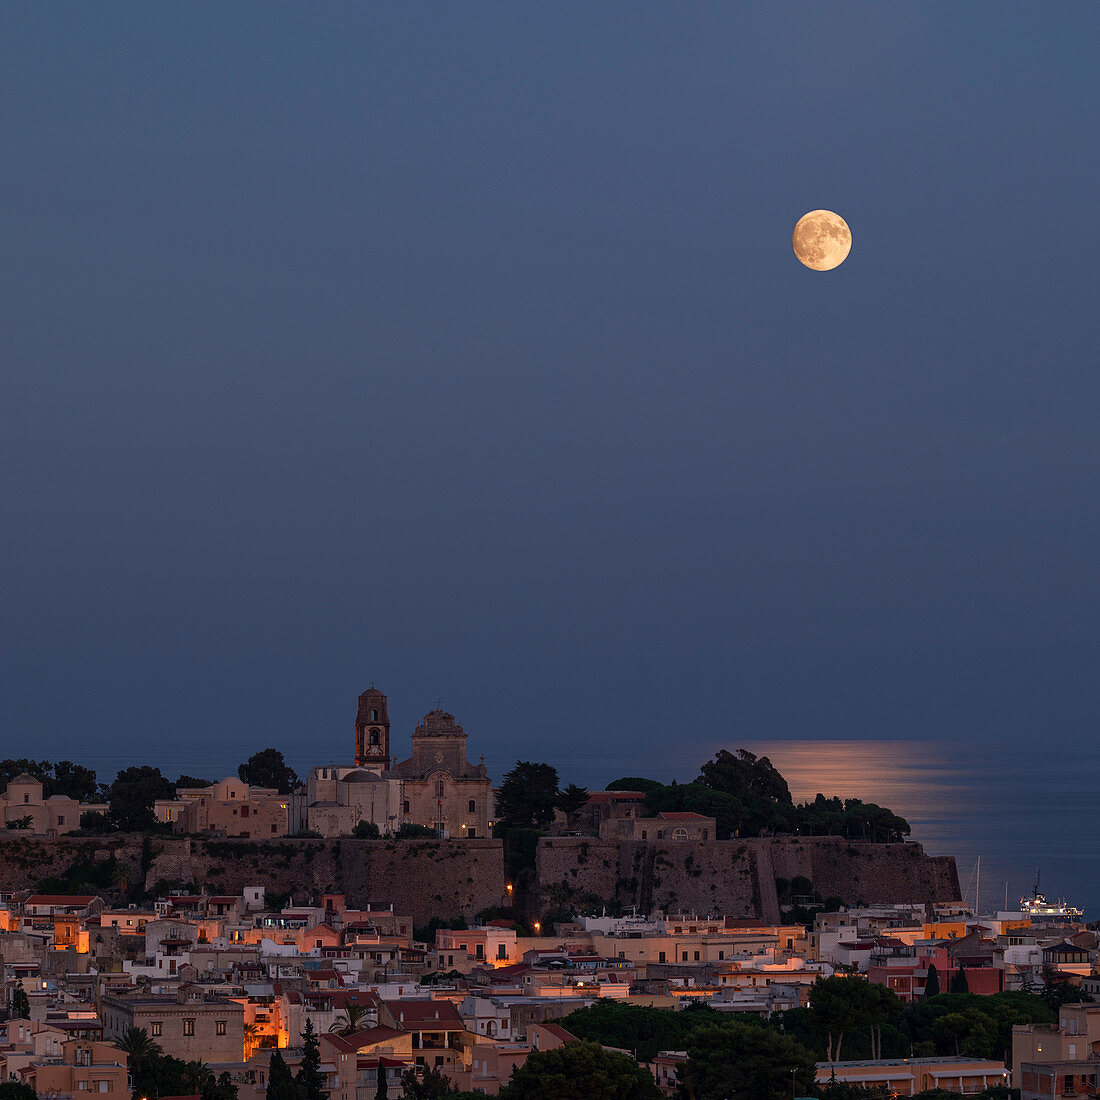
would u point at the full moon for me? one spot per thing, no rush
(821, 240)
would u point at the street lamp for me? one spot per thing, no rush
(538, 929)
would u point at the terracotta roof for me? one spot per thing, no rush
(424, 1015)
(371, 1035)
(686, 815)
(559, 1032)
(60, 899)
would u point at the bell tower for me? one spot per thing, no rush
(372, 731)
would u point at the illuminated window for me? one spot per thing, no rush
(189, 1027)
(219, 1027)
(155, 1029)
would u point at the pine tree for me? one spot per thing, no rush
(383, 1090)
(959, 984)
(280, 1084)
(932, 981)
(309, 1081)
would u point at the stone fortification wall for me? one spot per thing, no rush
(858, 871)
(430, 878)
(736, 877)
(423, 878)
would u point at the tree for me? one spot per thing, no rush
(190, 782)
(580, 1071)
(218, 1088)
(959, 984)
(741, 1062)
(428, 1085)
(20, 822)
(132, 795)
(280, 1083)
(73, 780)
(572, 798)
(634, 783)
(744, 776)
(409, 831)
(309, 1080)
(382, 1092)
(138, 1046)
(528, 795)
(640, 1028)
(837, 1005)
(16, 1090)
(142, 1054)
(353, 1017)
(932, 981)
(268, 769)
(366, 830)
(20, 1002)
(92, 821)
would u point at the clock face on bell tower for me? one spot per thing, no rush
(372, 730)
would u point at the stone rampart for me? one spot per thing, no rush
(736, 877)
(449, 878)
(423, 878)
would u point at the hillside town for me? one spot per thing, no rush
(144, 988)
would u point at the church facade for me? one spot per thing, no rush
(436, 787)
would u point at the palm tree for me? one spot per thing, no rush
(251, 1037)
(199, 1074)
(351, 1019)
(138, 1046)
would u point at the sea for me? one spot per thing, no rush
(1006, 816)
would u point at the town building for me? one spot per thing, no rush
(908, 1076)
(190, 1025)
(80, 1066)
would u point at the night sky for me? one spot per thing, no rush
(460, 348)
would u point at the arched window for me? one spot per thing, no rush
(439, 788)
(374, 737)
(374, 716)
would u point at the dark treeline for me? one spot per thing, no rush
(747, 796)
(744, 793)
(847, 1018)
(134, 790)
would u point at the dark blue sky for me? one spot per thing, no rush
(461, 348)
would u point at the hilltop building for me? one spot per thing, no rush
(436, 787)
(231, 807)
(22, 803)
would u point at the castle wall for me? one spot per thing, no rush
(736, 877)
(423, 878)
(447, 878)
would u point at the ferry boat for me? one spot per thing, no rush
(1038, 908)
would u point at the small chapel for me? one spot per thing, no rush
(436, 787)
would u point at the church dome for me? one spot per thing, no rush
(362, 776)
